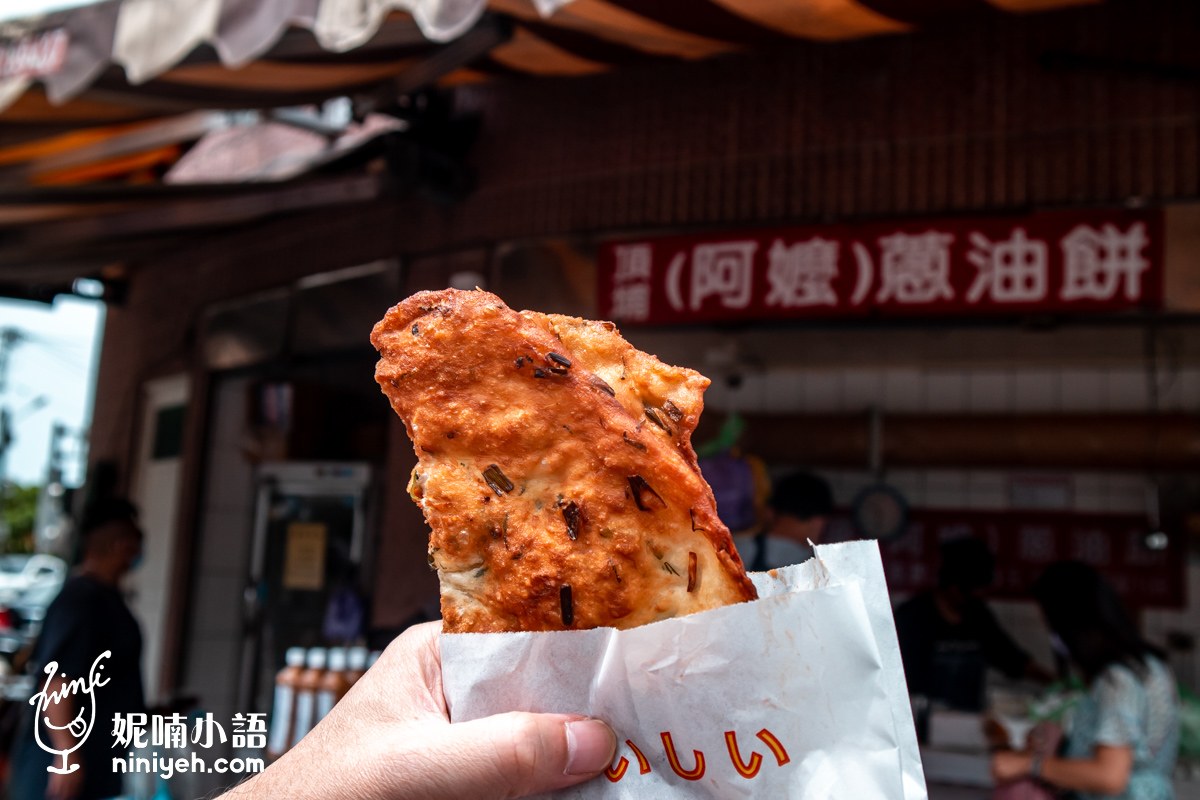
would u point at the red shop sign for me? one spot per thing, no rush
(1056, 261)
(1026, 542)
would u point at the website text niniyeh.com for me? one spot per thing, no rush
(166, 767)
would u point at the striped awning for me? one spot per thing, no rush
(130, 127)
(129, 59)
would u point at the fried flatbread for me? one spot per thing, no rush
(555, 469)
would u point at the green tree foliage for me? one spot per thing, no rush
(19, 510)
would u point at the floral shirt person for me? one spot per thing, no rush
(1124, 710)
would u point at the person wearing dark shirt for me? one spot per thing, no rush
(948, 637)
(88, 617)
(799, 512)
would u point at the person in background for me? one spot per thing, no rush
(88, 617)
(948, 637)
(798, 512)
(1124, 735)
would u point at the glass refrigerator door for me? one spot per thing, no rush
(308, 541)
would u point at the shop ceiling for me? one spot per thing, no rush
(129, 127)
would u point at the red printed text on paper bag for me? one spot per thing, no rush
(746, 769)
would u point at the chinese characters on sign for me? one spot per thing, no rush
(1061, 261)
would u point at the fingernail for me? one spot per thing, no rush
(590, 746)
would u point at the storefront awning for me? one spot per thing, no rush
(124, 122)
(124, 59)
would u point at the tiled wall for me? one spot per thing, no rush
(933, 390)
(213, 647)
(952, 391)
(991, 490)
(1156, 625)
(984, 490)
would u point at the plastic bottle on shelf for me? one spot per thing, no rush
(333, 684)
(356, 664)
(371, 659)
(306, 693)
(283, 710)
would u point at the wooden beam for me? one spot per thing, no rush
(137, 139)
(1058, 441)
(490, 31)
(396, 32)
(166, 97)
(203, 212)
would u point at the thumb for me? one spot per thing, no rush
(518, 754)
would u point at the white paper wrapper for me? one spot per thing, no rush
(807, 682)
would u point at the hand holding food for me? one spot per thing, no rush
(390, 739)
(555, 469)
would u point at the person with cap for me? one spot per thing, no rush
(949, 636)
(88, 617)
(797, 515)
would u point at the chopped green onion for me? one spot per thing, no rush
(568, 607)
(599, 383)
(640, 490)
(574, 519)
(496, 479)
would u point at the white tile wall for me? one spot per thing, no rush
(862, 389)
(821, 392)
(1036, 390)
(216, 616)
(910, 483)
(1157, 624)
(988, 390)
(991, 391)
(1189, 390)
(945, 489)
(1089, 491)
(1084, 389)
(903, 391)
(945, 392)
(1123, 494)
(979, 391)
(753, 391)
(1127, 390)
(782, 389)
(988, 490)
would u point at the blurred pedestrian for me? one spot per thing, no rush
(949, 636)
(88, 617)
(1124, 736)
(798, 514)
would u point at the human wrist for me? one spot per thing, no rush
(1035, 765)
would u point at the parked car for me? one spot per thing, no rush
(30, 578)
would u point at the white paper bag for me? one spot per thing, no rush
(800, 694)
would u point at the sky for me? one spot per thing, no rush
(16, 9)
(55, 362)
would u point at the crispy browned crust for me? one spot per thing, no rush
(599, 449)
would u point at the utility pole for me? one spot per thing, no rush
(9, 339)
(50, 523)
(5, 441)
